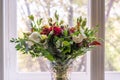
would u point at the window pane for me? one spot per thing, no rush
(112, 35)
(67, 9)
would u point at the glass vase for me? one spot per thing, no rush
(60, 71)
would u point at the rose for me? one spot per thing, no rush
(34, 37)
(77, 39)
(46, 31)
(56, 30)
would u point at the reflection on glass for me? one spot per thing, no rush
(67, 9)
(112, 35)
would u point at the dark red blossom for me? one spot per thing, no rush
(95, 43)
(72, 30)
(57, 30)
(45, 31)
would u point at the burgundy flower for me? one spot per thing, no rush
(72, 30)
(57, 30)
(95, 43)
(45, 31)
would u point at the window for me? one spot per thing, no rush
(95, 72)
(112, 32)
(112, 40)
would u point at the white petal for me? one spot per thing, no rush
(35, 36)
(78, 39)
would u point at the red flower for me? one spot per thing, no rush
(72, 30)
(57, 30)
(95, 43)
(45, 31)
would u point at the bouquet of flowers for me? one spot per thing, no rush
(57, 42)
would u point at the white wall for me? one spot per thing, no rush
(1, 40)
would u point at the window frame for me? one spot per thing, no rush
(96, 70)
(1, 42)
(96, 14)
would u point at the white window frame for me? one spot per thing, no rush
(96, 70)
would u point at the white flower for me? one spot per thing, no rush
(78, 39)
(35, 37)
(29, 43)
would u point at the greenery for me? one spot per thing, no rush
(57, 41)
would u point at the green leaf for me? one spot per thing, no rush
(56, 16)
(12, 40)
(47, 54)
(66, 43)
(61, 22)
(32, 25)
(31, 17)
(18, 47)
(66, 47)
(58, 43)
(39, 21)
(65, 32)
(80, 19)
(76, 33)
(49, 57)
(66, 50)
(84, 23)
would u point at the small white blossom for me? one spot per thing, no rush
(35, 36)
(78, 39)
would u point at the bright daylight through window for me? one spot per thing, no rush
(112, 35)
(68, 10)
